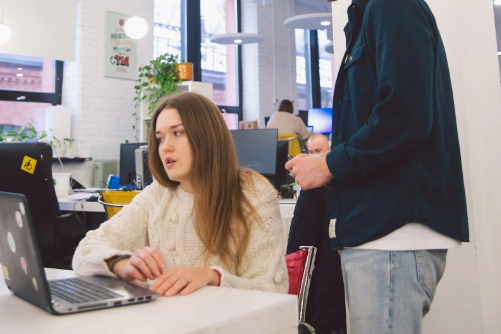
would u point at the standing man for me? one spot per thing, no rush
(394, 168)
(318, 144)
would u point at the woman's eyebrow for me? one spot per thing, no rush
(172, 127)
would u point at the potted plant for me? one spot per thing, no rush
(69, 147)
(58, 146)
(155, 81)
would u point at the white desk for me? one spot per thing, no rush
(72, 202)
(208, 310)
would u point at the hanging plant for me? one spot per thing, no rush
(155, 81)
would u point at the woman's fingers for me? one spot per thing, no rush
(131, 272)
(194, 285)
(141, 265)
(158, 258)
(162, 279)
(181, 283)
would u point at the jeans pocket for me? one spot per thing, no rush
(430, 269)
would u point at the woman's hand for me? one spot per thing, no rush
(187, 279)
(146, 263)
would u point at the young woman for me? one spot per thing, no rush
(204, 221)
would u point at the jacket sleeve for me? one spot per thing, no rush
(121, 235)
(399, 40)
(264, 266)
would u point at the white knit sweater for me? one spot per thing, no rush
(162, 219)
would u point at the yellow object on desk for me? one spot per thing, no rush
(294, 145)
(115, 200)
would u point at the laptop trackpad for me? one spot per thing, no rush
(116, 285)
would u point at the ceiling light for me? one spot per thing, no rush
(311, 21)
(136, 27)
(237, 38)
(499, 53)
(19, 68)
(497, 2)
(19, 74)
(5, 33)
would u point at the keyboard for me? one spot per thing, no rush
(75, 290)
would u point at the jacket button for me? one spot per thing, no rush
(351, 57)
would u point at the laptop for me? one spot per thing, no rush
(24, 274)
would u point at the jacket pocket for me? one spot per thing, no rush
(359, 79)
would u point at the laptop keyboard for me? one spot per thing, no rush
(76, 291)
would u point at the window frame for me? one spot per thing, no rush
(191, 16)
(43, 97)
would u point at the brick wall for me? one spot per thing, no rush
(101, 107)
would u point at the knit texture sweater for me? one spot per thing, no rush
(162, 218)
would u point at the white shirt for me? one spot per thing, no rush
(287, 123)
(412, 236)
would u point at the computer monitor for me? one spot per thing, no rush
(321, 120)
(282, 175)
(128, 162)
(303, 114)
(266, 120)
(257, 149)
(309, 128)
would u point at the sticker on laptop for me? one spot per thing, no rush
(25, 267)
(5, 272)
(12, 243)
(34, 281)
(29, 164)
(19, 219)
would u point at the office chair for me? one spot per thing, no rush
(114, 201)
(26, 168)
(294, 145)
(300, 267)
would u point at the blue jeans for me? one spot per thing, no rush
(389, 292)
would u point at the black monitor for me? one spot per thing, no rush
(303, 114)
(257, 149)
(282, 175)
(26, 168)
(128, 162)
(266, 120)
(321, 120)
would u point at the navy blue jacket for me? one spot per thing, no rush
(325, 309)
(395, 156)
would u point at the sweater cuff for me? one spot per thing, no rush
(341, 167)
(223, 280)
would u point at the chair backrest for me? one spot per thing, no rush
(114, 201)
(300, 267)
(294, 145)
(26, 168)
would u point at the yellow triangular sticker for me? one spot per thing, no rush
(28, 164)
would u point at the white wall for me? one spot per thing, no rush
(44, 29)
(101, 107)
(468, 297)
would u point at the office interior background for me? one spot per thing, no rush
(66, 45)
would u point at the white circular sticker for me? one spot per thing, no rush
(12, 243)
(21, 207)
(19, 219)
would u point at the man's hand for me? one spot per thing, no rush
(309, 170)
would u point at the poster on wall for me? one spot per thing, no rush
(121, 51)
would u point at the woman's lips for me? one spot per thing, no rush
(169, 162)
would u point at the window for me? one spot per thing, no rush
(28, 85)
(325, 61)
(303, 86)
(219, 62)
(167, 30)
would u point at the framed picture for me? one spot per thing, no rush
(120, 59)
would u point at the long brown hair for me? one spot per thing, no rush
(221, 209)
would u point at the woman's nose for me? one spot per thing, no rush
(166, 146)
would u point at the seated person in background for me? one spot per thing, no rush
(325, 310)
(318, 144)
(286, 122)
(204, 221)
